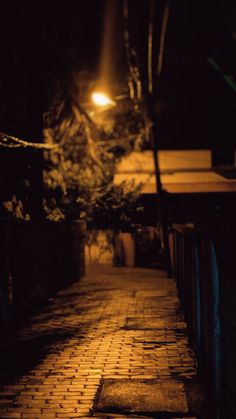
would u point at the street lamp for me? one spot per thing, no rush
(102, 100)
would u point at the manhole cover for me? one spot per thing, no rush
(142, 396)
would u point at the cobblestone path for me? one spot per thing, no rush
(116, 323)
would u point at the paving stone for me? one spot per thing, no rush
(115, 323)
(143, 396)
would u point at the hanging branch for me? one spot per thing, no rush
(92, 148)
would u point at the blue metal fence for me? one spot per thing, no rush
(196, 272)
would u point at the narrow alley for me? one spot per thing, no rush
(117, 209)
(113, 345)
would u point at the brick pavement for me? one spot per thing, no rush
(116, 323)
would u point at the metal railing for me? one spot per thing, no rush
(196, 272)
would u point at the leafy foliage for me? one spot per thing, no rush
(14, 208)
(117, 205)
(78, 176)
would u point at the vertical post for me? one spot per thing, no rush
(197, 304)
(6, 235)
(36, 183)
(216, 329)
(152, 92)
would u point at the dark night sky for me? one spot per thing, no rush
(41, 41)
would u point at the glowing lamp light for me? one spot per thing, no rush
(101, 99)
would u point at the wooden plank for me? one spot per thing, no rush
(182, 171)
(138, 162)
(181, 182)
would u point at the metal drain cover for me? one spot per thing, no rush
(142, 396)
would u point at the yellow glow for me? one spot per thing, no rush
(101, 99)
